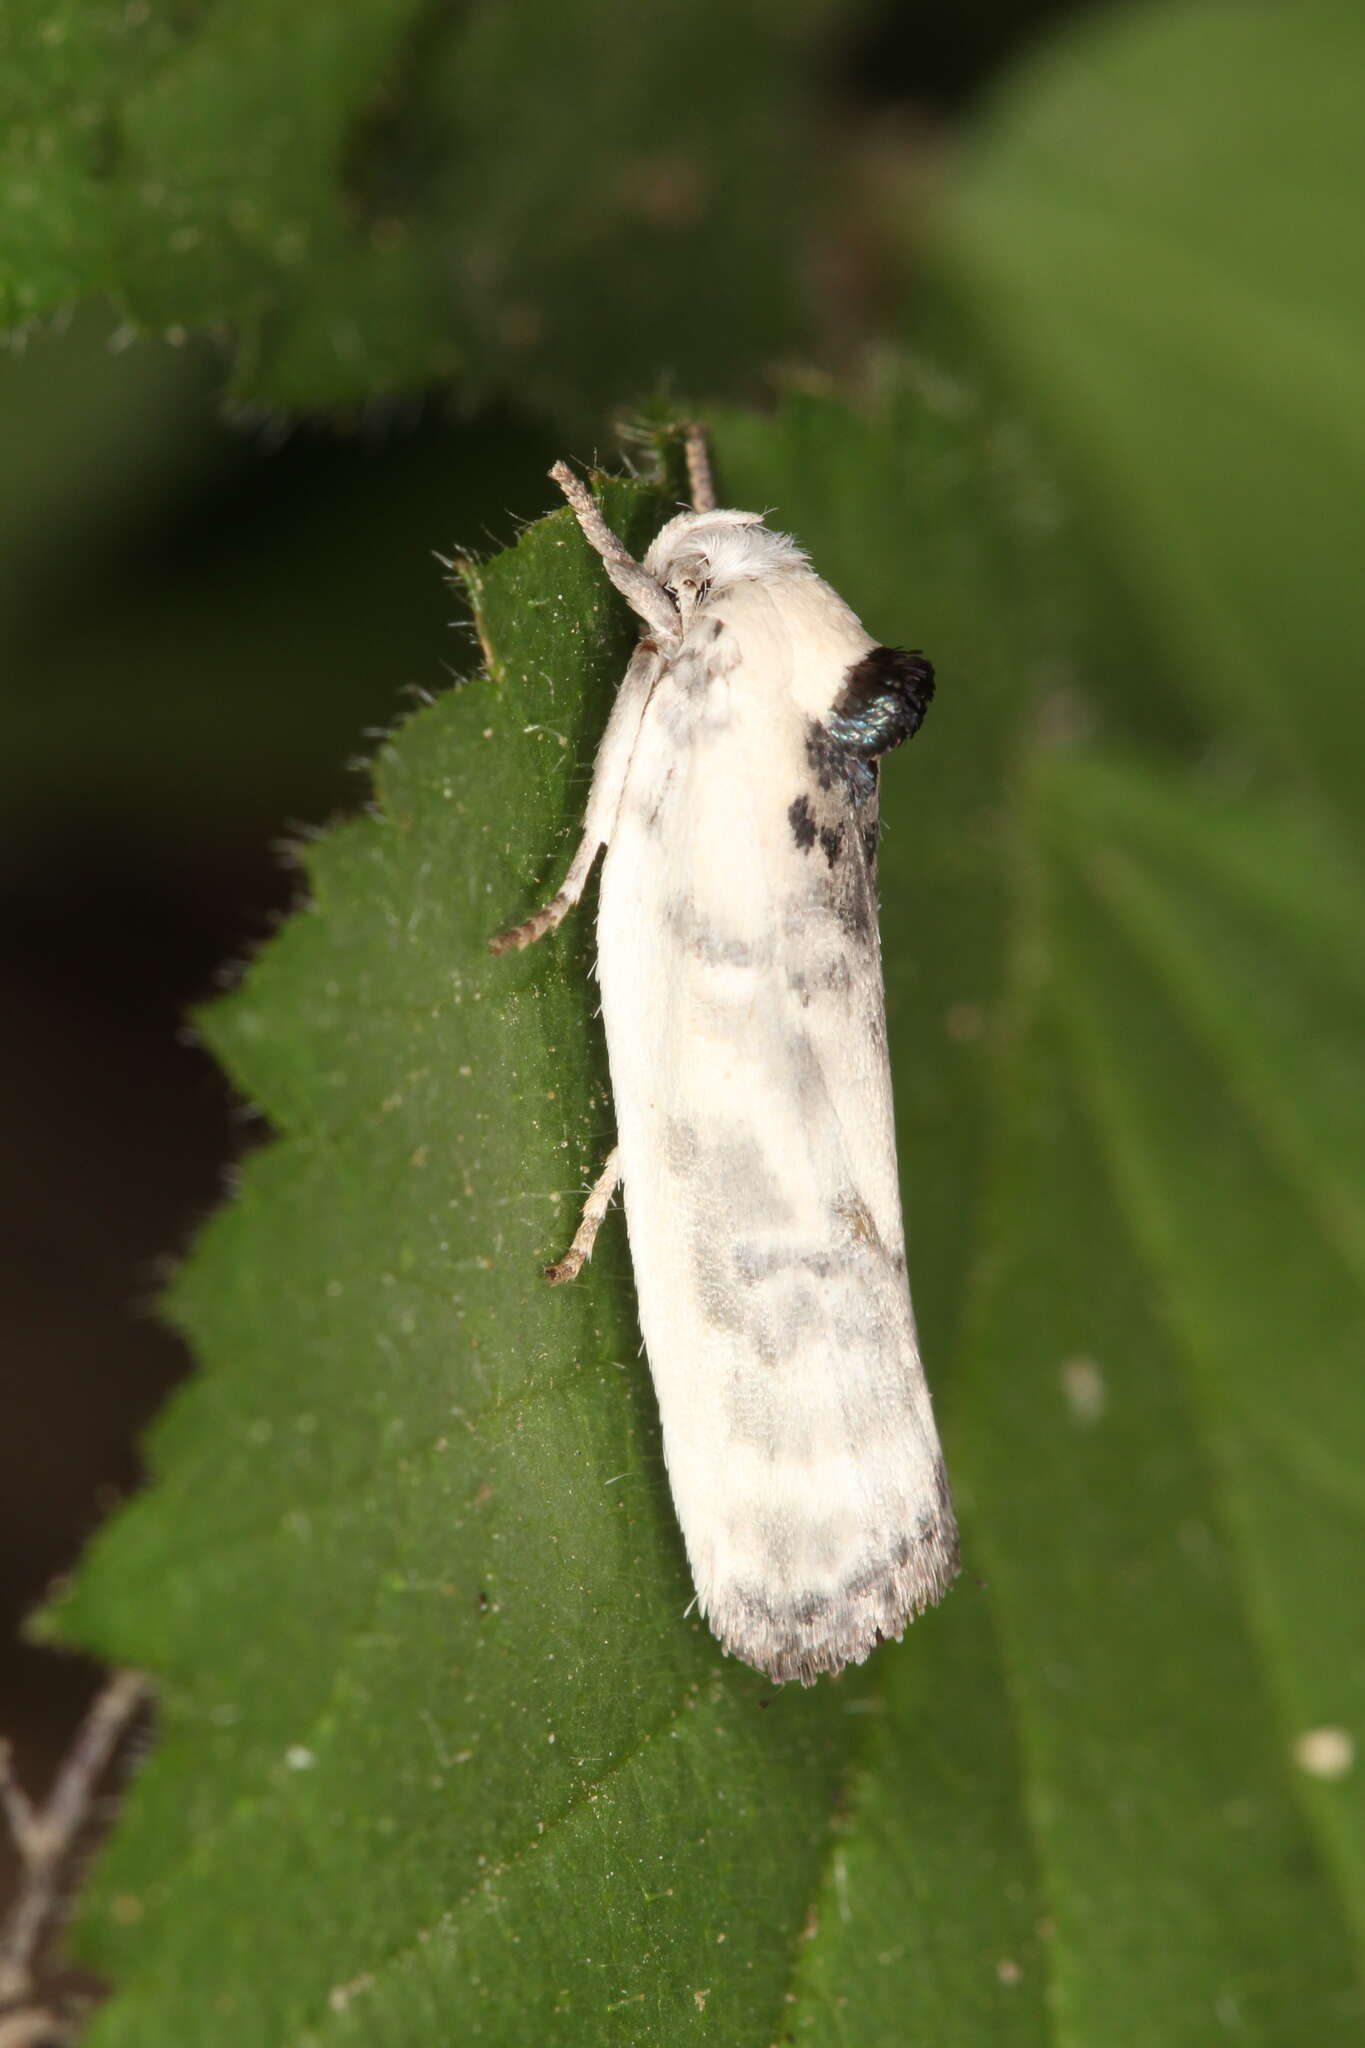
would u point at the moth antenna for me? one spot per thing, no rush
(699, 479)
(646, 598)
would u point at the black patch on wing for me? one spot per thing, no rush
(802, 823)
(882, 702)
(839, 815)
(836, 766)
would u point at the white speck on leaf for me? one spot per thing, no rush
(1085, 1391)
(1325, 1752)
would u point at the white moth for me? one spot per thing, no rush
(735, 794)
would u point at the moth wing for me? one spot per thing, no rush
(742, 995)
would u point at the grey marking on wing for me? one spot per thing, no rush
(792, 1302)
(717, 951)
(855, 905)
(809, 1081)
(648, 802)
(850, 1211)
(704, 942)
(754, 1263)
(816, 1632)
(692, 669)
(830, 976)
(693, 699)
(829, 761)
(838, 813)
(743, 1169)
(682, 1146)
(871, 831)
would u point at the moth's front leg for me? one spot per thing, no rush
(651, 603)
(604, 800)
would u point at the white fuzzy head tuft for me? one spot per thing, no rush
(720, 549)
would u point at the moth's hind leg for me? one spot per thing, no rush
(594, 1209)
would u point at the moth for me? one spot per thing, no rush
(735, 795)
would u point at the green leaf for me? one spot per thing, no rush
(368, 198)
(195, 639)
(1164, 1383)
(1175, 1257)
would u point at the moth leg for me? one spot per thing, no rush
(604, 800)
(594, 1209)
(647, 598)
(518, 936)
(699, 477)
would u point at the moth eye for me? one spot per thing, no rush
(700, 586)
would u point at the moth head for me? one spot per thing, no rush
(708, 551)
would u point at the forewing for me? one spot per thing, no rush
(742, 994)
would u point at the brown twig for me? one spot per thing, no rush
(45, 1838)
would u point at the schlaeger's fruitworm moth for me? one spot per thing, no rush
(735, 793)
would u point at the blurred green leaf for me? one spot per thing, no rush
(369, 198)
(1152, 241)
(1163, 1381)
(197, 626)
(1156, 233)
